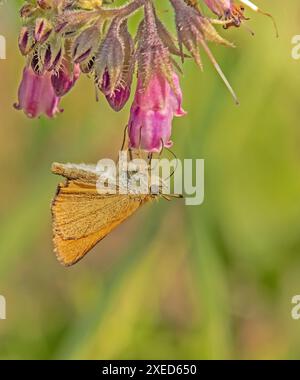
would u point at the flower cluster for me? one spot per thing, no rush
(63, 39)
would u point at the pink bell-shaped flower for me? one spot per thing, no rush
(36, 95)
(152, 113)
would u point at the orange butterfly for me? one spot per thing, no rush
(82, 216)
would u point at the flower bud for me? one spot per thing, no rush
(119, 98)
(25, 41)
(121, 93)
(42, 30)
(109, 60)
(66, 77)
(194, 29)
(86, 44)
(27, 10)
(45, 4)
(51, 55)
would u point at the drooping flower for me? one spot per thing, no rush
(65, 78)
(117, 97)
(120, 95)
(109, 59)
(36, 95)
(158, 96)
(152, 113)
(114, 64)
(50, 72)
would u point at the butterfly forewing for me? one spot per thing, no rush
(82, 217)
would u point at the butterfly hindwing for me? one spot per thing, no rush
(82, 217)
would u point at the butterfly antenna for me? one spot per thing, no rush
(150, 156)
(130, 154)
(124, 137)
(174, 170)
(162, 148)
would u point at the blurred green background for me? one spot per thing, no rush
(174, 282)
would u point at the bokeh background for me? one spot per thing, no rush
(174, 282)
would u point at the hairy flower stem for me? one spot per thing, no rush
(123, 11)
